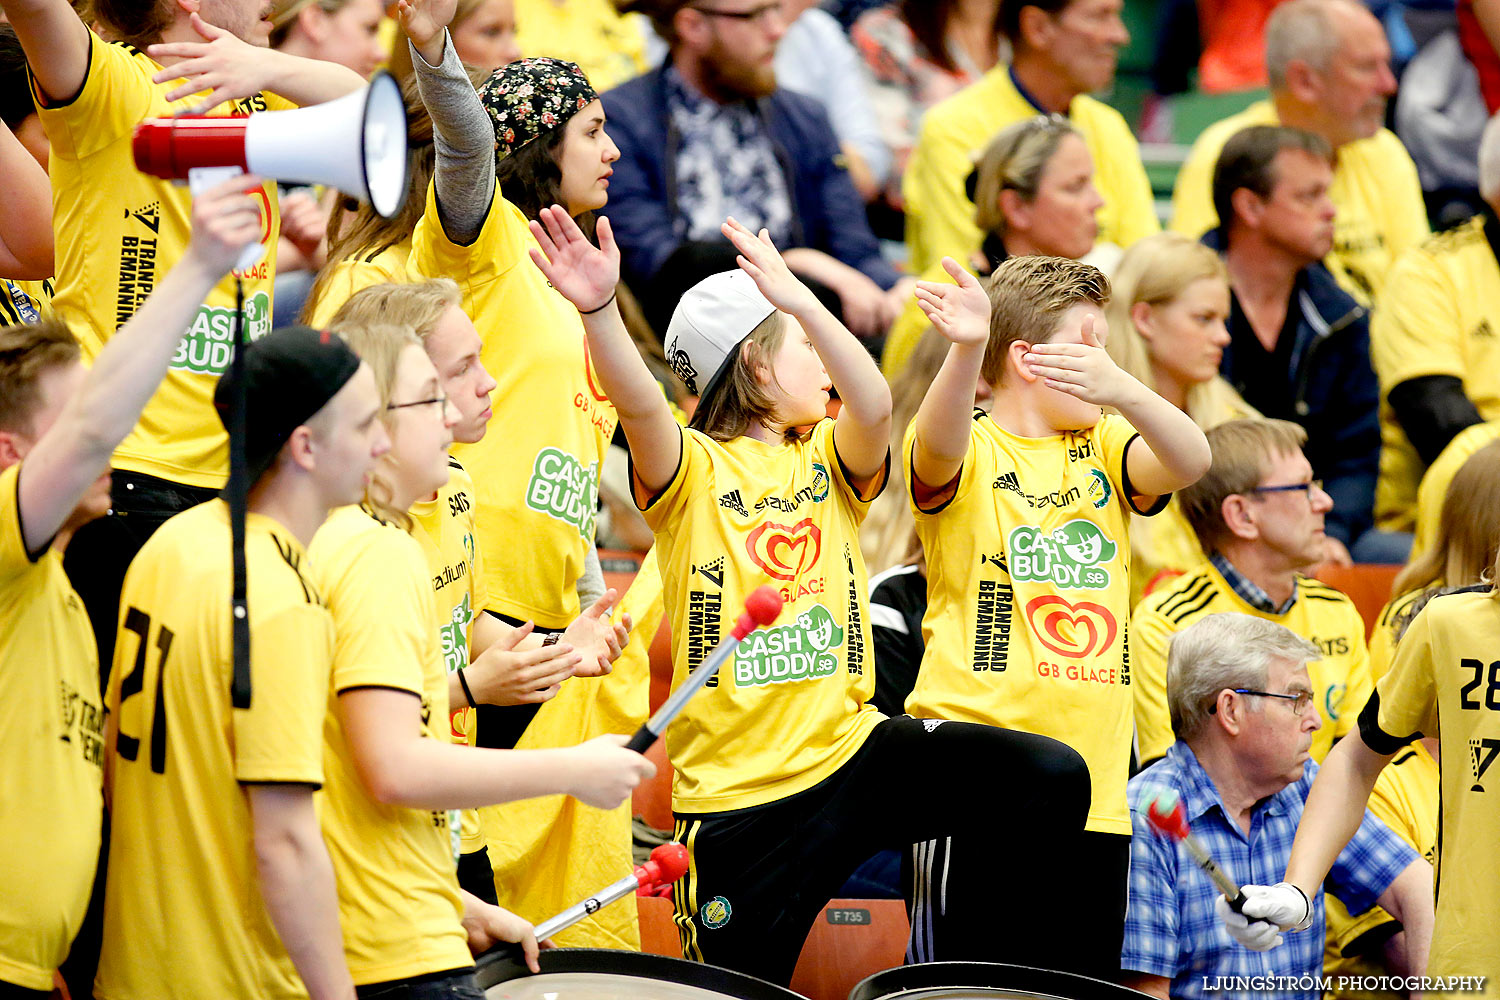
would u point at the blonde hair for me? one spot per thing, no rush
(1028, 297)
(400, 61)
(418, 305)
(889, 534)
(379, 345)
(27, 350)
(284, 16)
(1014, 161)
(1468, 534)
(1241, 449)
(1156, 270)
(740, 399)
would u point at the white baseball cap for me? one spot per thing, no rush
(708, 326)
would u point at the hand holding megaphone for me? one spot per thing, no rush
(226, 222)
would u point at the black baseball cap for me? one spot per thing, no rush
(290, 374)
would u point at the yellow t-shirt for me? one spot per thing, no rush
(940, 216)
(1439, 316)
(536, 472)
(51, 739)
(1446, 677)
(119, 230)
(1405, 799)
(445, 530)
(25, 301)
(399, 902)
(791, 706)
(608, 46)
(552, 851)
(1375, 190)
(1439, 476)
(183, 912)
(1341, 680)
(355, 274)
(1028, 596)
(1383, 637)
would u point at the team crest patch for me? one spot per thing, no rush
(1099, 489)
(716, 913)
(820, 483)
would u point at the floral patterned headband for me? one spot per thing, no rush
(531, 96)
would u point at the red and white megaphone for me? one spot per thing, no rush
(356, 143)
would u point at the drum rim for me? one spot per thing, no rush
(1019, 977)
(505, 962)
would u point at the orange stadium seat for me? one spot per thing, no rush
(1368, 586)
(652, 799)
(852, 939)
(658, 933)
(620, 567)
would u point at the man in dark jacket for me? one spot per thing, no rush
(707, 135)
(1299, 344)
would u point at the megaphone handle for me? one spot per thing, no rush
(200, 179)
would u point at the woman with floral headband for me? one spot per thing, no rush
(533, 134)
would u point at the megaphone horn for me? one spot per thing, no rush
(356, 143)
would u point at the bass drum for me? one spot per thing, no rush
(985, 981)
(602, 974)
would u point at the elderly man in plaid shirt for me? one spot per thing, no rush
(1240, 700)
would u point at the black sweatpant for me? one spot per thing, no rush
(1081, 927)
(759, 876)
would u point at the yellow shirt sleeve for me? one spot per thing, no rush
(1360, 682)
(1121, 180)
(280, 736)
(1418, 329)
(1408, 692)
(114, 99)
(939, 215)
(692, 468)
(1150, 635)
(384, 613)
(499, 246)
(1192, 195)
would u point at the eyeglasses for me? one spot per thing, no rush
(440, 400)
(757, 16)
(1316, 484)
(1299, 701)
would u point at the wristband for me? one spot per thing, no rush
(468, 695)
(590, 312)
(550, 639)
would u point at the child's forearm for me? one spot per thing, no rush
(863, 390)
(1180, 451)
(944, 418)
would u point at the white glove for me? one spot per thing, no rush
(1267, 910)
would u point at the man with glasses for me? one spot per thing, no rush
(1299, 345)
(1259, 516)
(1242, 699)
(709, 134)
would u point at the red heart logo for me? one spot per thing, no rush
(1075, 630)
(785, 552)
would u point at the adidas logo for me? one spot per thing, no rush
(1483, 331)
(1008, 481)
(732, 501)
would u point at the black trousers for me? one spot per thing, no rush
(100, 552)
(948, 898)
(760, 876)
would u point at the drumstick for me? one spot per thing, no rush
(668, 864)
(761, 608)
(1166, 812)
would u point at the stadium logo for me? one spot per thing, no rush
(785, 551)
(1073, 630)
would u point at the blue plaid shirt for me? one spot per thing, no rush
(1171, 929)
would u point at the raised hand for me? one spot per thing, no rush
(582, 273)
(960, 312)
(597, 639)
(760, 259)
(424, 21)
(227, 66)
(608, 772)
(226, 219)
(1084, 369)
(503, 675)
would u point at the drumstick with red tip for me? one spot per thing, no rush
(1168, 815)
(669, 862)
(761, 609)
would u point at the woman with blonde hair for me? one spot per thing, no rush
(1033, 191)
(1462, 554)
(1167, 328)
(484, 36)
(346, 32)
